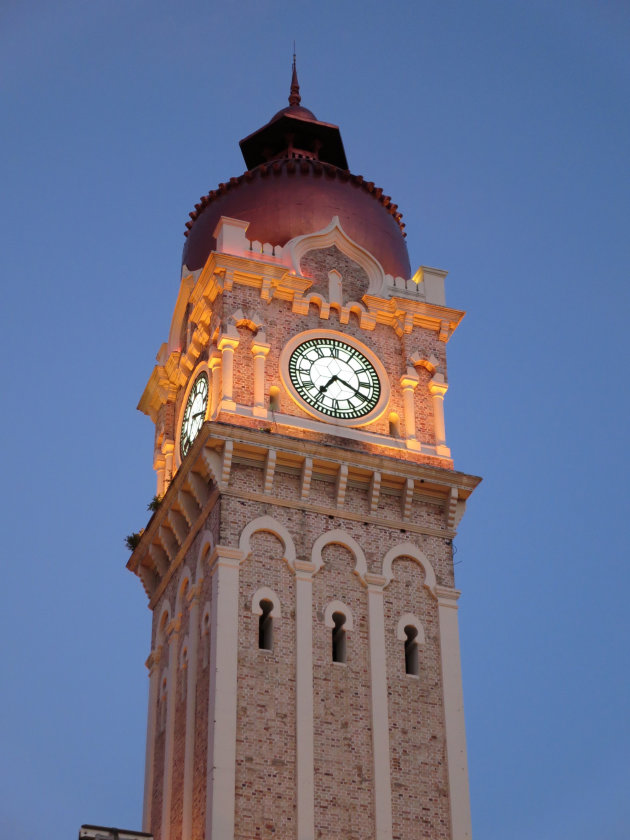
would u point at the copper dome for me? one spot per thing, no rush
(297, 180)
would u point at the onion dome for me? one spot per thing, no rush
(297, 179)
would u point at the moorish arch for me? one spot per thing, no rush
(412, 551)
(272, 526)
(339, 537)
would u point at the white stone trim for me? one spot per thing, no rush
(169, 733)
(191, 706)
(409, 620)
(339, 537)
(330, 428)
(334, 234)
(185, 580)
(221, 755)
(380, 715)
(153, 663)
(266, 594)
(271, 525)
(164, 621)
(305, 751)
(338, 607)
(412, 551)
(227, 344)
(179, 313)
(457, 760)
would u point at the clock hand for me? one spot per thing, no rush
(198, 414)
(352, 388)
(324, 388)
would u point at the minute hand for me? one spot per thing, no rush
(352, 388)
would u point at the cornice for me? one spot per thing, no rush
(205, 475)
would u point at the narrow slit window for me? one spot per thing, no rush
(274, 398)
(411, 650)
(339, 638)
(265, 626)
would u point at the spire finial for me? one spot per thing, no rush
(294, 97)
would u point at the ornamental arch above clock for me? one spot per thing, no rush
(334, 377)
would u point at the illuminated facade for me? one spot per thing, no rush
(305, 676)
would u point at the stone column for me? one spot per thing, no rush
(437, 388)
(168, 450)
(214, 363)
(305, 760)
(191, 698)
(159, 465)
(227, 344)
(380, 712)
(260, 350)
(172, 632)
(409, 383)
(454, 713)
(152, 663)
(221, 759)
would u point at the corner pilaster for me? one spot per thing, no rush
(454, 713)
(221, 759)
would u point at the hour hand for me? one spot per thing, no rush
(324, 388)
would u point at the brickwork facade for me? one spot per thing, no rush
(331, 526)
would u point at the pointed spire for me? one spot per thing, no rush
(294, 97)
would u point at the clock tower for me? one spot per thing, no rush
(305, 677)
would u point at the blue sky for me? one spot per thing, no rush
(502, 131)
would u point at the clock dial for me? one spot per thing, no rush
(194, 413)
(334, 378)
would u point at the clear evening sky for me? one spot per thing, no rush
(501, 129)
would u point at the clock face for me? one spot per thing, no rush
(334, 378)
(194, 414)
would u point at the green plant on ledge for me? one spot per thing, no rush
(155, 502)
(132, 540)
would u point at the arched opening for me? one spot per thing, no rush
(265, 626)
(411, 650)
(339, 637)
(274, 398)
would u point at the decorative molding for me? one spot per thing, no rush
(340, 484)
(270, 468)
(179, 525)
(338, 607)
(339, 537)
(189, 506)
(199, 488)
(272, 526)
(305, 479)
(412, 551)
(406, 620)
(266, 594)
(375, 491)
(334, 234)
(407, 498)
